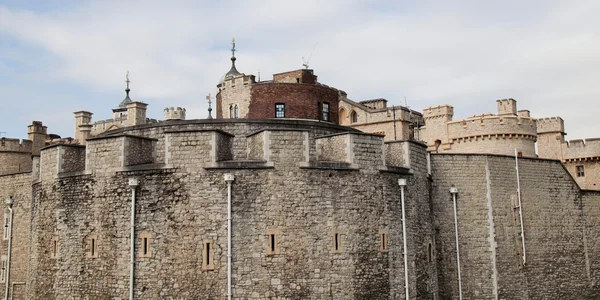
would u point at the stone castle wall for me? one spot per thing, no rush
(17, 186)
(15, 156)
(182, 205)
(490, 233)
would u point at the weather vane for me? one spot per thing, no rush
(233, 46)
(209, 108)
(127, 79)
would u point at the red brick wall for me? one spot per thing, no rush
(301, 101)
(305, 76)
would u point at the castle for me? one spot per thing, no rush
(295, 191)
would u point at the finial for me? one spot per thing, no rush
(127, 80)
(233, 47)
(209, 108)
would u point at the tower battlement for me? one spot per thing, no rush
(507, 107)
(438, 111)
(172, 113)
(550, 125)
(15, 145)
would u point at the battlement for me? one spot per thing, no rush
(15, 145)
(172, 113)
(439, 111)
(507, 107)
(581, 149)
(550, 125)
(237, 81)
(37, 127)
(492, 125)
(198, 149)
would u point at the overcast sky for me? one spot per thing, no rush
(61, 56)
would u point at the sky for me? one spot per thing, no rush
(62, 56)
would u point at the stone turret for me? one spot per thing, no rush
(172, 113)
(507, 107)
(83, 126)
(36, 133)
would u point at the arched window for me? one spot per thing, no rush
(354, 117)
(342, 116)
(231, 111)
(437, 145)
(235, 111)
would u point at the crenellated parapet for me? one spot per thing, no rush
(197, 150)
(15, 145)
(550, 125)
(492, 126)
(174, 113)
(15, 155)
(581, 150)
(485, 133)
(440, 111)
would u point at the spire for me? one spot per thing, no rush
(123, 103)
(233, 71)
(209, 108)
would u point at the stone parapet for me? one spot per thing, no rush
(550, 125)
(438, 112)
(575, 150)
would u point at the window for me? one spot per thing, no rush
(145, 238)
(6, 219)
(354, 117)
(235, 111)
(580, 171)
(336, 242)
(3, 270)
(325, 111)
(279, 110)
(384, 237)
(273, 241)
(231, 111)
(429, 253)
(92, 247)
(208, 256)
(54, 245)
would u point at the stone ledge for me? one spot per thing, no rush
(277, 129)
(144, 167)
(240, 164)
(199, 130)
(72, 174)
(397, 170)
(329, 165)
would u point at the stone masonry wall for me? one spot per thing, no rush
(17, 186)
(72, 158)
(235, 91)
(15, 156)
(490, 232)
(334, 148)
(185, 206)
(138, 151)
(591, 213)
(591, 173)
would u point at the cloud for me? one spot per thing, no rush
(467, 53)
